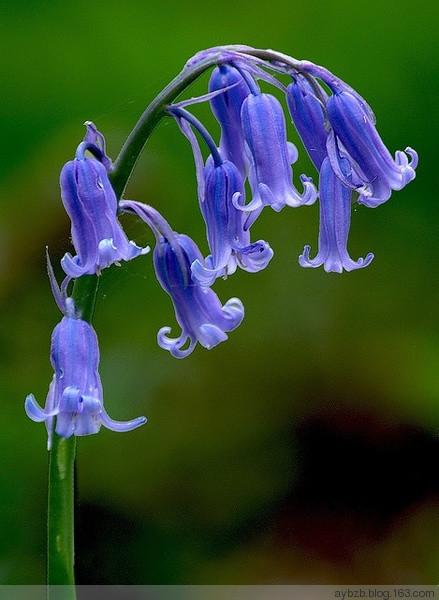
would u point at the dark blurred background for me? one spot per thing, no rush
(304, 450)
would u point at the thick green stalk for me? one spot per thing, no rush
(60, 550)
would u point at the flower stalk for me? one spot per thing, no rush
(61, 484)
(60, 521)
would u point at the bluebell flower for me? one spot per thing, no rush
(271, 156)
(221, 198)
(91, 204)
(376, 172)
(307, 112)
(227, 109)
(228, 237)
(75, 399)
(335, 217)
(335, 198)
(198, 310)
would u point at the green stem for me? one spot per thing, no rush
(84, 295)
(60, 551)
(60, 514)
(138, 137)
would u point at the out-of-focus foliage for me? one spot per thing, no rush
(303, 449)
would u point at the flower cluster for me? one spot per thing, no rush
(337, 129)
(339, 134)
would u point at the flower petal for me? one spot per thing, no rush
(121, 426)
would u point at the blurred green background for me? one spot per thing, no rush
(304, 450)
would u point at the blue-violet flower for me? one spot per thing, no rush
(306, 110)
(377, 173)
(227, 109)
(91, 204)
(75, 398)
(335, 216)
(228, 237)
(198, 310)
(271, 156)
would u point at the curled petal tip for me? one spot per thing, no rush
(34, 410)
(234, 312)
(414, 156)
(203, 275)
(254, 204)
(121, 426)
(407, 168)
(268, 198)
(368, 259)
(145, 250)
(174, 345)
(304, 259)
(310, 192)
(71, 267)
(334, 264)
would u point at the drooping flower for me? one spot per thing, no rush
(377, 173)
(221, 197)
(227, 109)
(308, 117)
(228, 237)
(355, 137)
(74, 404)
(271, 156)
(198, 310)
(335, 217)
(91, 204)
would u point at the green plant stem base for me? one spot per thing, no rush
(60, 544)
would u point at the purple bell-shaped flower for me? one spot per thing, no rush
(335, 218)
(227, 109)
(200, 314)
(75, 397)
(91, 204)
(271, 156)
(377, 173)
